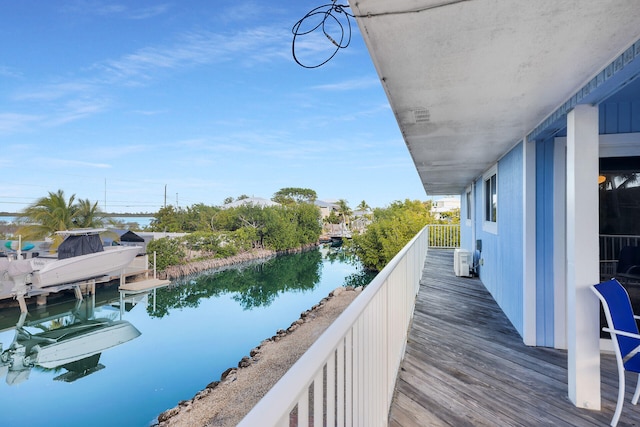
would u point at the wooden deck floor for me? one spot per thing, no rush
(465, 365)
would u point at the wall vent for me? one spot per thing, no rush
(421, 115)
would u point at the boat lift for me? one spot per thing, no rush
(138, 266)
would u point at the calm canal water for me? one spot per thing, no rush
(189, 334)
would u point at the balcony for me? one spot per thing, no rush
(462, 362)
(465, 364)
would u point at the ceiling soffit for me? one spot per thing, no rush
(467, 80)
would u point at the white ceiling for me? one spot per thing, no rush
(467, 80)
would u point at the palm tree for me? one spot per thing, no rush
(363, 206)
(87, 215)
(344, 210)
(55, 213)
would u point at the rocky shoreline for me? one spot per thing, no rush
(227, 401)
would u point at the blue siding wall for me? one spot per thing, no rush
(616, 117)
(544, 244)
(501, 272)
(620, 117)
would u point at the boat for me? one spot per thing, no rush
(13, 245)
(81, 256)
(81, 267)
(75, 347)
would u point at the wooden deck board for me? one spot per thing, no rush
(465, 364)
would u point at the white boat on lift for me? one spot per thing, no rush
(81, 256)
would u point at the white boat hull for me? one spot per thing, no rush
(82, 267)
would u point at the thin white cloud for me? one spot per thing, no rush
(123, 150)
(77, 109)
(63, 112)
(14, 122)
(240, 12)
(352, 84)
(192, 143)
(116, 10)
(66, 163)
(149, 112)
(9, 72)
(149, 12)
(109, 9)
(196, 48)
(85, 96)
(52, 92)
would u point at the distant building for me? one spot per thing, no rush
(326, 208)
(446, 204)
(360, 219)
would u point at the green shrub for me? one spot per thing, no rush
(169, 251)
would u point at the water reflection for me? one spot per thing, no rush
(254, 285)
(209, 318)
(362, 277)
(71, 340)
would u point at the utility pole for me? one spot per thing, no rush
(165, 195)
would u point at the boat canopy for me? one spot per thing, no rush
(76, 245)
(128, 236)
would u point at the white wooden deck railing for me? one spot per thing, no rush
(347, 377)
(444, 236)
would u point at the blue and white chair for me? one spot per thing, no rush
(622, 326)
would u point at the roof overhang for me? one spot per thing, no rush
(468, 80)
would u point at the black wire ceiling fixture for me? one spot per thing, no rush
(332, 16)
(327, 18)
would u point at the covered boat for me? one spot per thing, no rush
(81, 256)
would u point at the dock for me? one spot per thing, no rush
(132, 292)
(143, 285)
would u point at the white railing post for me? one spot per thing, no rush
(363, 347)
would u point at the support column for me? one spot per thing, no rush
(529, 308)
(583, 319)
(560, 243)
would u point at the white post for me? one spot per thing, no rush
(559, 243)
(19, 249)
(529, 242)
(583, 320)
(121, 304)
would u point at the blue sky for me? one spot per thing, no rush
(113, 102)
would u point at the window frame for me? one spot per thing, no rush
(469, 202)
(490, 191)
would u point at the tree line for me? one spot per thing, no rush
(222, 231)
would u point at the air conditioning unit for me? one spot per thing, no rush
(462, 263)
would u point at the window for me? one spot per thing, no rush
(619, 186)
(468, 205)
(490, 200)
